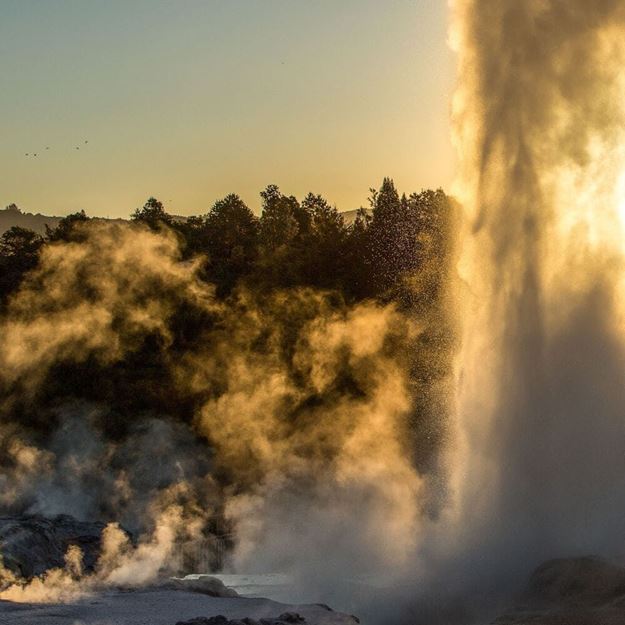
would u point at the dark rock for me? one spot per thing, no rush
(284, 619)
(32, 545)
(204, 584)
(575, 591)
(202, 620)
(585, 581)
(291, 617)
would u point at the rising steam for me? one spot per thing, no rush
(302, 447)
(120, 564)
(540, 127)
(300, 444)
(535, 467)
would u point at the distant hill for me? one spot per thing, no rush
(13, 216)
(350, 216)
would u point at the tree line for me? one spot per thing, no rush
(399, 251)
(293, 243)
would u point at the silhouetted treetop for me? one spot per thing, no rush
(68, 228)
(231, 240)
(19, 253)
(153, 214)
(18, 241)
(281, 220)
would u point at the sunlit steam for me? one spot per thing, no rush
(313, 445)
(540, 118)
(120, 564)
(303, 446)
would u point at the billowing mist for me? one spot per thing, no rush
(298, 451)
(536, 467)
(353, 442)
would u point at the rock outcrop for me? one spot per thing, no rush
(576, 591)
(204, 584)
(32, 545)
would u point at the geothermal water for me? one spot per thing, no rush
(534, 465)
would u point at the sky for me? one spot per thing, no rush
(189, 100)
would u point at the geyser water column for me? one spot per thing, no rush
(539, 464)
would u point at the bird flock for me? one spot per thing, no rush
(35, 154)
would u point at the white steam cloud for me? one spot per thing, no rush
(535, 468)
(309, 436)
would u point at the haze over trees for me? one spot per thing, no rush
(293, 243)
(296, 261)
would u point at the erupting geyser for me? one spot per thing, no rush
(535, 461)
(540, 119)
(296, 439)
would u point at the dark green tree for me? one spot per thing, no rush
(194, 236)
(19, 253)
(153, 215)
(232, 241)
(358, 281)
(68, 229)
(324, 244)
(283, 223)
(281, 220)
(389, 249)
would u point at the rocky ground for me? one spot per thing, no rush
(32, 545)
(159, 606)
(578, 591)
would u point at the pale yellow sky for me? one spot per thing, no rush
(189, 100)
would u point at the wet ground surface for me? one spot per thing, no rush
(158, 607)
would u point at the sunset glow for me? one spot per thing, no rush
(189, 101)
